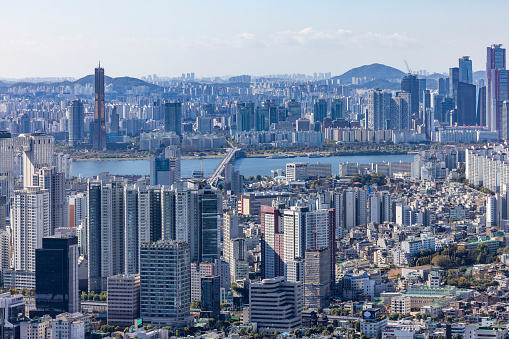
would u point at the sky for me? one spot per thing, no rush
(54, 38)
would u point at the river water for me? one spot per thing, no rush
(246, 166)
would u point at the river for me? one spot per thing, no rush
(246, 166)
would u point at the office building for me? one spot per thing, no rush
(56, 276)
(231, 230)
(123, 299)
(165, 281)
(465, 103)
(410, 84)
(70, 325)
(297, 171)
(243, 117)
(233, 180)
(173, 117)
(454, 78)
(504, 123)
(160, 171)
(372, 323)
(337, 110)
(276, 296)
(497, 89)
(12, 312)
(238, 264)
(198, 271)
(76, 113)
(319, 110)
(211, 296)
(99, 135)
(465, 70)
(481, 106)
(317, 278)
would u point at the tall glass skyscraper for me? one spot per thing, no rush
(465, 69)
(76, 122)
(99, 140)
(497, 92)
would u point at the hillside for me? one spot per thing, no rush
(373, 71)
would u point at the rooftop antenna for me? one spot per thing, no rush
(407, 68)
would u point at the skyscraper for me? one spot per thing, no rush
(465, 103)
(272, 243)
(38, 152)
(410, 84)
(56, 276)
(319, 110)
(497, 92)
(243, 117)
(337, 109)
(465, 70)
(76, 122)
(49, 179)
(481, 106)
(165, 280)
(173, 117)
(99, 139)
(379, 104)
(454, 78)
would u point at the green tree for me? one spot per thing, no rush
(357, 326)
(107, 328)
(319, 310)
(276, 333)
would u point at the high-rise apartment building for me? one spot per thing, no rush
(76, 112)
(379, 105)
(106, 231)
(165, 280)
(272, 243)
(123, 299)
(38, 152)
(99, 135)
(337, 110)
(30, 222)
(173, 117)
(49, 179)
(56, 276)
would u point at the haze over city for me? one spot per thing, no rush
(214, 38)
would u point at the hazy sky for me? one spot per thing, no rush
(214, 37)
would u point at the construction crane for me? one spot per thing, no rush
(315, 231)
(407, 68)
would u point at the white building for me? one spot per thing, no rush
(275, 296)
(401, 305)
(414, 245)
(297, 171)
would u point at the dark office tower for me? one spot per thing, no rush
(76, 123)
(294, 110)
(99, 139)
(208, 204)
(454, 77)
(56, 276)
(481, 106)
(465, 70)
(497, 91)
(447, 109)
(173, 117)
(211, 296)
(337, 109)
(270, 105)
(115, 120)
(410, 84)
(319, 110)
(437, 106)
(261, 119)
(442, 87)
(422, 88)
(243, 117)
(465, 104)
(94, 236)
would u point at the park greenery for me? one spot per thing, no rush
(369, 179)
(452, 257)
(92, 296)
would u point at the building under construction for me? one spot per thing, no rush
(317, 280)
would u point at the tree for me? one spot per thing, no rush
(393, 316)
(319, 310)
(107, 328)
(276, 333)
(242, 332)
(357, 326)
(119, 336)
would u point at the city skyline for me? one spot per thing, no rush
(61, 39)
